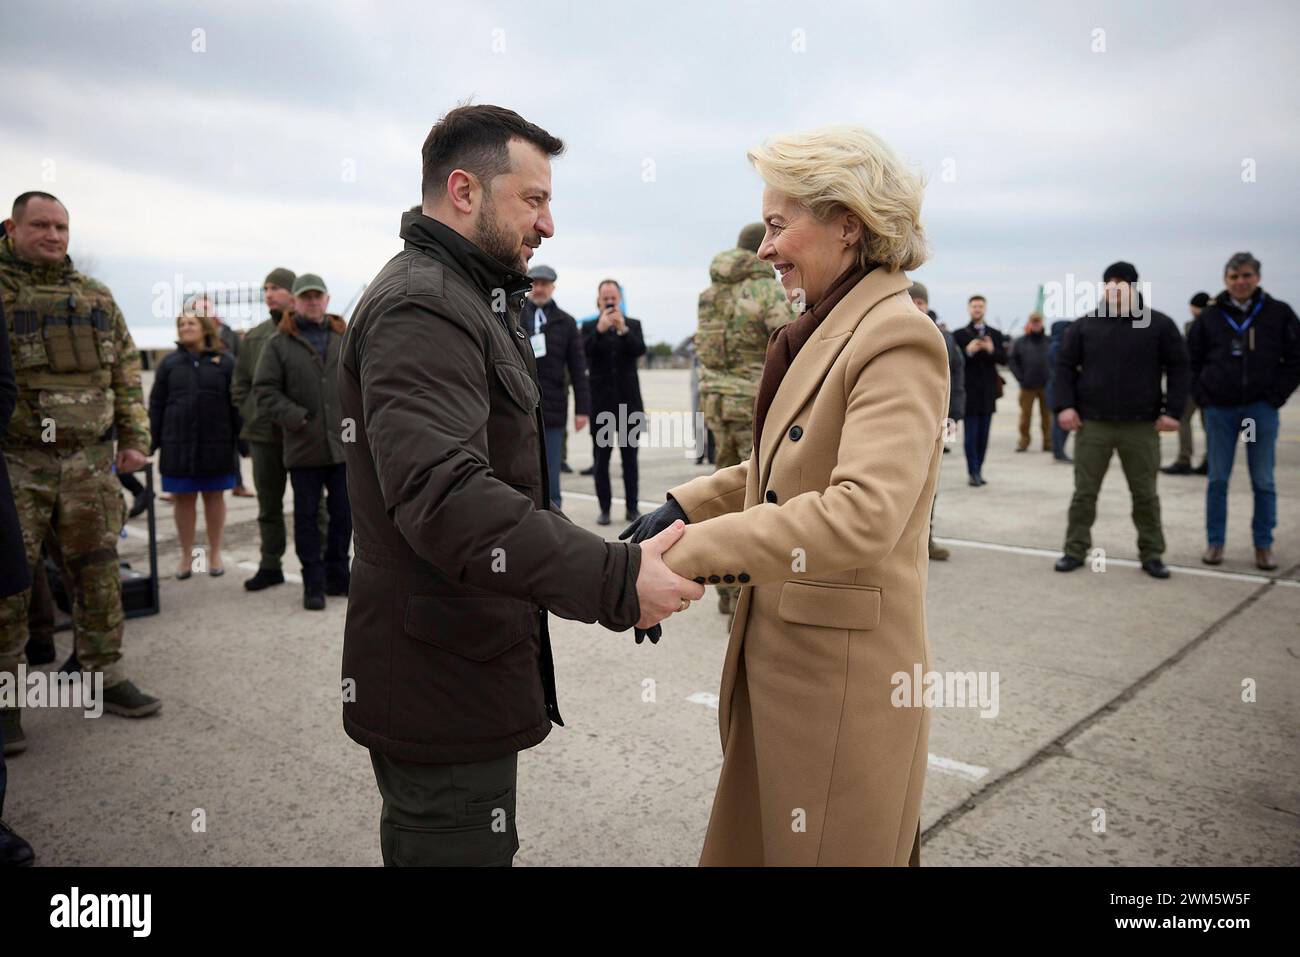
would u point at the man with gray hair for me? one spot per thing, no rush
(1245, 357)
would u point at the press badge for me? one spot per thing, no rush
(539, 345)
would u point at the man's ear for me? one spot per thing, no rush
(9, 226)
(462, 190)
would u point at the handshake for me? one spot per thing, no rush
(659, 590)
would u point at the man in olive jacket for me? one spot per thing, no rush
(262, 435)
(297, 388)
(447, 669)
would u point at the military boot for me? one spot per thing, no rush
(126, 699)
(11, 729)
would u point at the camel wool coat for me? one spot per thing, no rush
(827, 530)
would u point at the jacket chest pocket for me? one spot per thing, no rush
(512, 428)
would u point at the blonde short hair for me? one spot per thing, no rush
(839, 168)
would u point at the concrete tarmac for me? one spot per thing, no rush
(1138, 721)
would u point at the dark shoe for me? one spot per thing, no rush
(980, 478)
(946, 450)
(974, 481)
(1155, 568)
(591, 470)
(40, 651)
(1178, 468)
(564, 468)
(265, 578)
(1202, 469)
(938, 553)
(126, 699)
(216, 572)
(313, 600)
(338, 588)
(11, 721)
(1213, 555)
(1264, 559)
(1063, 458)
(1022, 448)
(140, 503)
(1068, 563)
(603, 517)
(632, 515)
(14, 851)
(181, 576)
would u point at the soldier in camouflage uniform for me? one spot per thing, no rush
(738, 313)
(78, 376)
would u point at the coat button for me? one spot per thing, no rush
(744, 577)
(770, 496)
(700, 579)
(728, 578)
(796, 433)
(714, 579)
(519, 333)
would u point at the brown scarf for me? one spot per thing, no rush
(784, 344)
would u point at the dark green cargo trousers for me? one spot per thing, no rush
(1138, 445)
(447, 815)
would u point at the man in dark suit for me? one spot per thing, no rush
(613, 342)
(985, 350)
(557, 347)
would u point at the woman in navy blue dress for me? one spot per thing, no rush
(196, 425)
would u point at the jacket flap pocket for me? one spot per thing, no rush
(827, 605)
(479, 629)
(519, 385)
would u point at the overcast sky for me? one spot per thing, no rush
(1054, 138)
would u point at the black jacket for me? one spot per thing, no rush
(15, 576)
(1269, 365)
(1111, 368)
(1029, 360)
(298, 390)
(191, 415)
(611, 367)
(981, 369)
(564, 352)
(458, 555)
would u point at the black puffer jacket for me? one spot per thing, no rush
(564, 352)
(191, 415)
(1268, 367)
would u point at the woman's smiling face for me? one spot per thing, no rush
(808, 254)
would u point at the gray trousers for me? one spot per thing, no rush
(447, 815)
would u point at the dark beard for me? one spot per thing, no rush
(494, 241)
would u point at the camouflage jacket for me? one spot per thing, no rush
(738, 313)
(77, 369)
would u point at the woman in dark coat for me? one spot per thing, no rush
(196, 425)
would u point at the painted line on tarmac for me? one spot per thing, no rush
(970, 772)
(1038, 552)
(1121, 562)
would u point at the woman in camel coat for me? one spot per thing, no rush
(826, 524)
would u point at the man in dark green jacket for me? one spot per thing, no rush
(261, 434)
(297, 388)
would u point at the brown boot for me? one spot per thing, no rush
(938, 553)
(1213, 555)
(1264, 559)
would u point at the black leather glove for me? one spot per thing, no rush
(648, 526)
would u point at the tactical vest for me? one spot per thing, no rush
(61, 337)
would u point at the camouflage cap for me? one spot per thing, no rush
(309, 282)
(279, 276)
(751, 237)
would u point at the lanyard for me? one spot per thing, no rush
(538, 321)
(1242, 327)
